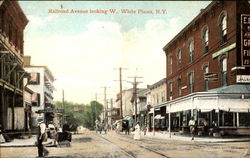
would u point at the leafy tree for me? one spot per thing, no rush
(80, 114)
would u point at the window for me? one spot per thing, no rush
(157, 98)
(170, 64)
(178, 55)
(223, 28)
(170, 90)
(34, 78)
(191, 51)
(35, 99)
(162, 96)
(205, 70)
(190, 82)
(205, 40)
(179, 87)
(223, 71)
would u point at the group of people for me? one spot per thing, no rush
(206, 129)
(101, 126)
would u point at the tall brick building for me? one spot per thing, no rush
(208, 74)
(12, 24)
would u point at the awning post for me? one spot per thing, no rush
(153, 121)
(169, 119)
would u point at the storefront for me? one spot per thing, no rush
(228, 108)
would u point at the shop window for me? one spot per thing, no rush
(205, 40)
(244, 119)
(228, 119)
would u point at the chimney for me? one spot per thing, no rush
(27, 60)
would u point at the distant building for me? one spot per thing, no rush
(12, 24)
(208, 74)
(41, 83)
(156, 95)
(127, 109)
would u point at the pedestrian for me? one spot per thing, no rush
(41, 137)
(191, 125)
(137, 135)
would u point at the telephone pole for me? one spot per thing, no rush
(135, 83)
(63, 117)
(105, 104)
(120, 79)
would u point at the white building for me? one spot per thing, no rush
(41, 83)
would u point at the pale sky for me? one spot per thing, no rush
(83, 49)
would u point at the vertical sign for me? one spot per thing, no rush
(245, 39)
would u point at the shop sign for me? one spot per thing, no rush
(245, 39)
(243, 78)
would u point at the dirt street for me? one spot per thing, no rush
(90, 144)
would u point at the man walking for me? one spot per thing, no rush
(41, 138)
(191, 125)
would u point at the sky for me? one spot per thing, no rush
(84, 50)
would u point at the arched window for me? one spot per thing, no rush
(205, 40)
(191, 51)
(178, 55)
(223, 27)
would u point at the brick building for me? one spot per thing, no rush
(208, 74)
(12, 24)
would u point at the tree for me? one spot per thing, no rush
(80, 114)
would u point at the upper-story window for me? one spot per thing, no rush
(170, 90)
(223, 27)
(190, 82)
(205, 39)
(162, 96)
(170, 64)
(191, 51)
(34, 78)
(178, 55)
(179, 87)
(205, 70)
(223, 71)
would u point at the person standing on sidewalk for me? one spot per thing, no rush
(191, 125)
(41, 137)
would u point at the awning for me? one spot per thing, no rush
(151, 111)
(205, 110)
(159, 116)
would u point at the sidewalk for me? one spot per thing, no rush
(207, 139)
(25, 142)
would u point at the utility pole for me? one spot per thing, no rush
(105, 104)
(63, 119)
(135, 83)
(95, 106)
(120, 79)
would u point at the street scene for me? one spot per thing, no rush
(124, 79)
(90, 144)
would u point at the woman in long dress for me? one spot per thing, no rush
(137, 135)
